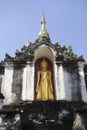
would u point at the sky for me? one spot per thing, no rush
(20, 23)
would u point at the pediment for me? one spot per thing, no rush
(27, 52)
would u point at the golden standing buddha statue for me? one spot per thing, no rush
(44, 88)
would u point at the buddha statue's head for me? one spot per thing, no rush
(44, 64)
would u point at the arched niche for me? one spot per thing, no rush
(48, 54)
(44, 51)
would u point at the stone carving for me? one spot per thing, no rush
(80, 58)
(10, 123)
(1, 96)
(8, 58)
(27, 52)
(63, 116)
(42, 113)
(43, 40)
(78, 123)
(47, 113)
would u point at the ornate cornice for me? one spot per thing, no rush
(27, 52)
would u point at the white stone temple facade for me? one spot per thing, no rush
(17, 74)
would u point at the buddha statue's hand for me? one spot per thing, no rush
(51, 88)
(37, 88)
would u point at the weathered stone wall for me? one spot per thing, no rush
(72, 82)
(6, 87)
(1, 76)
(28, 82)
(0, 82)
(82, 81)
(85, 73)
(60, 83)
(17, 82)
(67, 83)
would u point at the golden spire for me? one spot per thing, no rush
(43, 31)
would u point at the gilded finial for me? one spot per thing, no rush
(43, 31)
(43, 19)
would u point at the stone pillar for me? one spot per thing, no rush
(59, 82)
(82, 82)
(28, 82)
(56, 82)
(68, 84)
(7, 82)
(24, 83)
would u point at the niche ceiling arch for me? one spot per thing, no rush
(44, 51)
